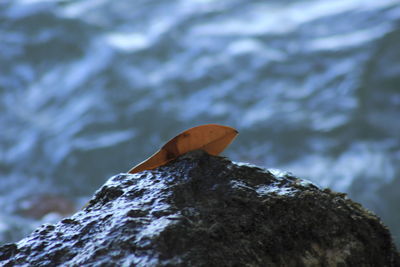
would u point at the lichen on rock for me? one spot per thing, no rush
(203, 210)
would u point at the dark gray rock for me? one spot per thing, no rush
(202, 210)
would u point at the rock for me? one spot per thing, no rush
(202, 210)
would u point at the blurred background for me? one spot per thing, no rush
(90, 88)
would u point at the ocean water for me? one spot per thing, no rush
(90, 88)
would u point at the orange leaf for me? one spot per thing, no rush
(212, 138)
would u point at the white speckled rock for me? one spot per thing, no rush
(202, 210)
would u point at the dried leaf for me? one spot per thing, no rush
(212, 138)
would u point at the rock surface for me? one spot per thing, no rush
(202, 210)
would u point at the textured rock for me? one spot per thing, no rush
(202, 210)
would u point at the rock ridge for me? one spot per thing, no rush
(203, 210)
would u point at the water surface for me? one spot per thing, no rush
(90, 88)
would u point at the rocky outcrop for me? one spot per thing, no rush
(202, 210)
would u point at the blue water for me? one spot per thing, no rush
(90, 88)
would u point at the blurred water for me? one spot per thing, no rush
(90, 88)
